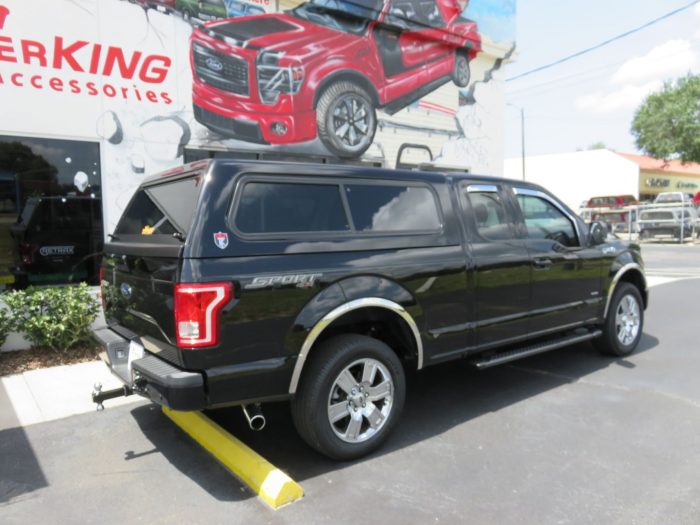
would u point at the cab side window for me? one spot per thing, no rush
(543, 220)
(490, 216)
(429, 14)
(402, 14)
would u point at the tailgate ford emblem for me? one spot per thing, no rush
(214, 64)
(125, 289)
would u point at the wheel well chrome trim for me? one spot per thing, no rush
(351, 75)
(336, 313)
(613, 284)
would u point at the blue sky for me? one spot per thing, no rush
(593, 98)
(496, 18)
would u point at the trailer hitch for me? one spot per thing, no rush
(99, 397)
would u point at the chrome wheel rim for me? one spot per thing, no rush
(627, 320)
(352, 122)
(360, 400)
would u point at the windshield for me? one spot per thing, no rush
(351, 16)
(669, 197)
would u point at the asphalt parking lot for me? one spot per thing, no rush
(563, 437)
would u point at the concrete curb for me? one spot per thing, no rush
(54, 393)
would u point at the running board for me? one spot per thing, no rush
(518, 353)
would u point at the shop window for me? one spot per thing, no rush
(50, 211)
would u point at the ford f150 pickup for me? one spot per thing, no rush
(237, 283)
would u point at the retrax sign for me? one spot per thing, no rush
(49, 251)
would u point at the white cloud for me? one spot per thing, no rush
(642, 75)
(671, 59)
(697, 9)
(627, 97)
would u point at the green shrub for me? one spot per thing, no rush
(58, 318)
(7, 322)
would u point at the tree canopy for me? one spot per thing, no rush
(667, 124)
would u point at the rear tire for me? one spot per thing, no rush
(624, 323)
(461, 72)
(350, 396)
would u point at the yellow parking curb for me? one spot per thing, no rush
(272, 485)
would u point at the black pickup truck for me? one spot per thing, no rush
(236, 283)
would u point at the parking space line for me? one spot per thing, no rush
(272, 485)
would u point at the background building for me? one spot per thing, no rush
(97, 94)
(576, 177)
(657, 176)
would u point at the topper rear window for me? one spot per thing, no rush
(276, 207)
(305, 206)
(161, 209)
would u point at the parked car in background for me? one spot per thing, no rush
(216, 9)
(236, 8)
(612, 201)
(696, 199)
(59, 239)
(164, 6)
(618, 221)
(679, 223)
(674, 197)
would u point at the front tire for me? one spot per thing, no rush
(623, 325)
(350, 396)
(346, 119)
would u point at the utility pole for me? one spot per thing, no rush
(522, 133)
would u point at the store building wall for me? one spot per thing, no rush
(116, 77)
(576, 177)
(651, 183)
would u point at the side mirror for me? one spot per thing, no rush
(598, 232)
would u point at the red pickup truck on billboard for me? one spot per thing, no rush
(323, 68)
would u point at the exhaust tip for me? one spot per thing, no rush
(254, 416)
(257, 422)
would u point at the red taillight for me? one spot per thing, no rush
(26, 252)
(102, 289)
(197, 308)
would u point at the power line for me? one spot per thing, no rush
(588, 74)
(604, 43)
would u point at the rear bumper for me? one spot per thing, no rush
(152, 377)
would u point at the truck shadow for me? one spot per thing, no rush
(184, 454)
(20, 470)
(438, 399)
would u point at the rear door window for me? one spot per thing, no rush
(277, 207)
(492, 220)
(161, 209)
(392, 208)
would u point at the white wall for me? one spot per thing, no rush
(85, 100)
(575, 177)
